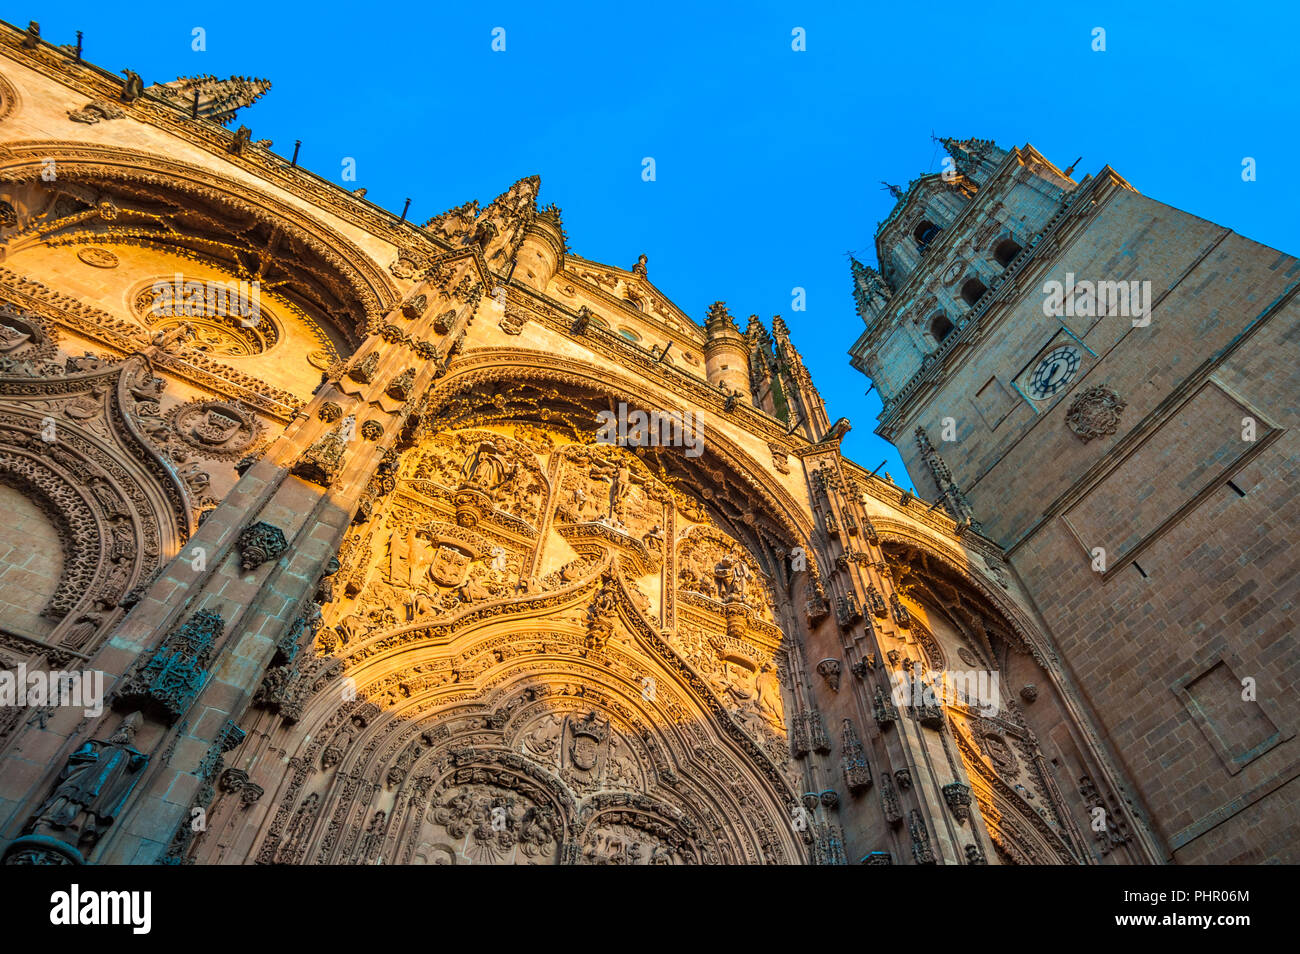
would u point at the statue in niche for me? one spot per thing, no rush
(732, 575)
(768, 697)
(621, 480)
(408, 555)
(92, 788)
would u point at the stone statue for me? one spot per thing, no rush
(620, 479)
(732, 575)
(174, 338)
(768, 690)
(92, 788)
(486, 467)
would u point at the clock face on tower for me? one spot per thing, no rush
(1054, 372)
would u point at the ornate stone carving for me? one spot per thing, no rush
(260, 543)
(416, 307)
(853, 760)
(91, 789)
(829, 669)
(98, 257)
(876, 603)
(921, 849)
(322, 461)
(364, 370)
(167, 680)
(401, 386)
(513, 322)
(847, 611)
(958, 798)
(901, 616)
(95, 112)
(883, 709)
(1094, 413)
(889, 800)
(218, 429)
(602, 613)
(780, 458)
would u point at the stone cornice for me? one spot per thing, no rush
(690, 327)
(560, 318)
(97, 84)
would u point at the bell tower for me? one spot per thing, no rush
(1086, 375)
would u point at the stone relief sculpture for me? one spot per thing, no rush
(92, 788)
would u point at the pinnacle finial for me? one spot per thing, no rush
(205, 96)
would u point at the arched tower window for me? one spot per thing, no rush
(1005, 252)
(940, 327)
(972, 291)
(925, 233)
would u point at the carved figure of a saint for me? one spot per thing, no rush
(92, 788)
(732, 574)
(620, 478)
(485, 467)
(768, 691)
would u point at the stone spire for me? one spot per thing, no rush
(807, 410)
(218, 99)
(870, 291)
(499, 230)
(726, 353)
(954, 501)
(974, 158)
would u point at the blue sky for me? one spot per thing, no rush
(768, 161)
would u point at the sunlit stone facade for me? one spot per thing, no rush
(331, 500)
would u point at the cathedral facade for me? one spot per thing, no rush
(442, 544)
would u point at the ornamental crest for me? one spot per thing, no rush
(1095, 413)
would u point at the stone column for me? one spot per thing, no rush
(902, 743)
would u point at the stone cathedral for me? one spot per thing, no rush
(442, 544)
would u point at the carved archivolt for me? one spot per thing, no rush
(9, 99)
(77, 162)
(69, 441)
(1016, 803)
(1018, 622)
(490, 366)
